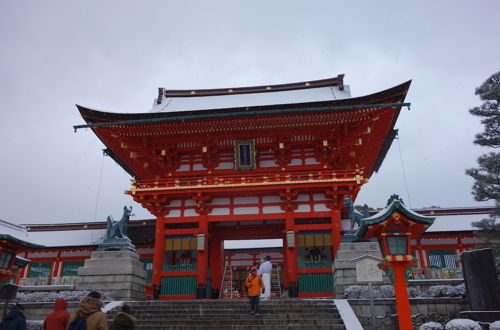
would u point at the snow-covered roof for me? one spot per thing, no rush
(174, 104)
(13, 230)
(15, 233)
(461, 222)
(68, 237)
(53, 238)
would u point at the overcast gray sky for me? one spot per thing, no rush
(113, 55)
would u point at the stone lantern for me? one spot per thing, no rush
(394, 227)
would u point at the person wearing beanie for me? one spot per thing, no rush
(14, 320)
(123, 320)
(90, 310)
(59, 318)
(255, 285)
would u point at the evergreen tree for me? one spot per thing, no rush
(487, 175)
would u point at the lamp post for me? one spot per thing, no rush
(393, 227)
(395, 248)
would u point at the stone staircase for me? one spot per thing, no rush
(278, 314)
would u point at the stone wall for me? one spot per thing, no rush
(386, 314)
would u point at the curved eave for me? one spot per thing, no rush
(17, 241)
(395, 94)
(396, 206)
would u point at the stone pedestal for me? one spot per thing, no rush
(345, 270)
(116, 244)
(118, 272)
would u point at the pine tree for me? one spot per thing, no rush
(487, 175)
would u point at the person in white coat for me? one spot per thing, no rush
(265, 272)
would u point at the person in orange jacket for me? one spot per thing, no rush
(255, 285)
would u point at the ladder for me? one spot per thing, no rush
(276, 281)
(226, 287)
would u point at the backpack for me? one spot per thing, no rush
(79, 323)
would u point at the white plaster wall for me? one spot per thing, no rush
(173, 214)
(42, 255)
(303, 208)
(183, 168)
(319, 197)
(271, 199)
(198, 167)
(311, 161)
(272, 209)
(75, 253)
(246, 210)
(303, 198)
(220, 201)
(225, 166)
(267, 163)
(246, 200)
(320, 207)
(438, 241)
(174, 203)
(190, 213)
(220, 211)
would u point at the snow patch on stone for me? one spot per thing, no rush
(462, 324)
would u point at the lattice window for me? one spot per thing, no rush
(40, 269)
(5, 259)
(70, 268)
(442, 259)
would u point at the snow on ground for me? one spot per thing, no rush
(36, 297)
(462, 324)
(387, 291)
(112, 305)
(430, 326)
(34, 325)
(351, 322)
(495, 325)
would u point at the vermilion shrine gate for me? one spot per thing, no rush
(267, 162)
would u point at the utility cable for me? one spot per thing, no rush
(98, 196)
(404, 172)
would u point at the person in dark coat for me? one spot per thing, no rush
(14, 320)
(123, 320)
(59, 318)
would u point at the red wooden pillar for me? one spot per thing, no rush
(159, 251)
(291, 256)
(216, 260)
(201, 274)
(336, 229)
(401, 293)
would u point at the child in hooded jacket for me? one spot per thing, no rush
(59, 318)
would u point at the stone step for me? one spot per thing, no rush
(276, 314)
(208, 317)
(254, 320)
(243, 327)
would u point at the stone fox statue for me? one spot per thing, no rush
(354, 214)
(118, 229)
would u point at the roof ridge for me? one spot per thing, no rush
(168, 93)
